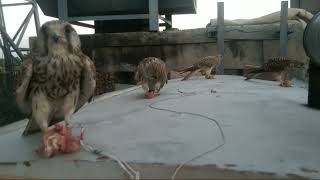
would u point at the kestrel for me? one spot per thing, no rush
(152, 74)
(205, 65)
(56, 79)
(281, 66)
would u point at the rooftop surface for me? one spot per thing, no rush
(267, 128)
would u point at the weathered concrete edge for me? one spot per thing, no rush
(147, 171)
(112, 94)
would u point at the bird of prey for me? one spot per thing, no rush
(55, 79)
(205, 65)
(280, 66)
(152, 74)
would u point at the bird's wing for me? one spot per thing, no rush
(190, 68)
(277, 64)
(23, 100)
(144, 65)
(22, 85)
(186, 77)
(208, 61)
(87, 81)
(252, 69)
(162, 72)
(138, 74)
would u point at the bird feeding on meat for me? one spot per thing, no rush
(152, 74)
(55, 80)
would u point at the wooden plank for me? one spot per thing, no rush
(220, 35)
(148, 38)
(236, 33)
(194, 36)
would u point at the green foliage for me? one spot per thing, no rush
(9, 112)
(1, 65)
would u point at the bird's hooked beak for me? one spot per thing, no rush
(56, 37)
(151, 94)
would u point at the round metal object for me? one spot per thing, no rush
(311, 44)
(311, 39)
(314, 86)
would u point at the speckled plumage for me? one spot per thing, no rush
(56, 79)
(282, 66)
(205, 65)
(152, 74)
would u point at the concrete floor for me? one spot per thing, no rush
(267, 129)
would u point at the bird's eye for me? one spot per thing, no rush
(68, 29)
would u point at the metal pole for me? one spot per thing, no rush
(3, 24)
(7, 38)
(36, 16)
(25, 21)
(220, 35)
(169, 18)
(25, 27)
(153, 15)
(284, 29)
(16, 4)
(2, 16)
(63, 10)
(82, 24)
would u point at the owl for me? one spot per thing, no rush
(152, 73)
(281, 66)
(55, 79)
(205, 65)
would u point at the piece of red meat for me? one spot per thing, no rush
(151, 94)
(60, 141)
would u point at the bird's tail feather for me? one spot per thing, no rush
(189, 74)
(251, 76)
(191, 68)
(251, 71)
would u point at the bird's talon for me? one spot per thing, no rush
(210, 77)
(285, 83)
(151, 95)
(58, 127)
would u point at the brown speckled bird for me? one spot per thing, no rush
(205, 65)
(56, 79)
(152, 74)
(281, 66)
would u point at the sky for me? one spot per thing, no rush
(206, 10)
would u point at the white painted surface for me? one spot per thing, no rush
(267, 127)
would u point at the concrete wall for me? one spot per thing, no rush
(182, 48)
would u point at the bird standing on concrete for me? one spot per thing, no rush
(55, 80)
(152, 74)
(205, 65)
(281, 66)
